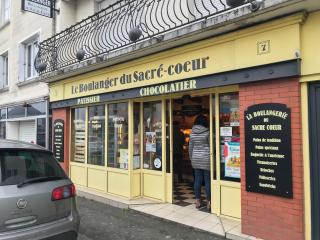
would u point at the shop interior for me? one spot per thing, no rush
(185, 111)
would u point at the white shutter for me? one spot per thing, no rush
(1, 72)
(27, 131)
(21, 62)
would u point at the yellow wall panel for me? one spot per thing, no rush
(215, 198)
(169, 190)
(310, 51)
(78, 175)
(56, 92)
(231, 201)
(118, 183)
(267, 47)
(153, 186)
(97, 179)
(136, 191)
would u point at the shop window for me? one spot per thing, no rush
(214, 135)
(168, 155)
(3, 113)
(96, 135)
(2, 130)
(36, 109)
(41, 132)
(152, 148)
(229, 137)
(16, 112)
(118, 135)
(136, 135)
(78, 136)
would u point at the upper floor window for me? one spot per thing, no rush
(4, 69)
(28, 52)
(5, 11)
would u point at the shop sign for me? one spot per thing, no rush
(168, 88)
(88, 100)
(58, 139)
(41, 7)
(268, 149)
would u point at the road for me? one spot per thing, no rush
(104, 222)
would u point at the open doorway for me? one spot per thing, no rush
(185, 110)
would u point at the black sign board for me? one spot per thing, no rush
(58, 139)
(41, 7)
(268, 149)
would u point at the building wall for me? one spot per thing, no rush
(22, 26)
(67, 14)
(85, 8)
(270, 217)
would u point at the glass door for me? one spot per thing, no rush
(153, 149)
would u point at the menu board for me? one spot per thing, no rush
(268, 149)
(58, 139)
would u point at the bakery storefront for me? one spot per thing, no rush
(115, 129)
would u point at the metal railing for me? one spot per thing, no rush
(122, 24)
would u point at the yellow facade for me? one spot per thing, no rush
(276, 41)
(229, 52)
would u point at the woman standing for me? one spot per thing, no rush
(199, 153)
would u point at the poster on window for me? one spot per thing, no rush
(151, 142)
(123, 159)
(232, 159)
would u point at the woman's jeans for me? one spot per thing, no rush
(199, 176)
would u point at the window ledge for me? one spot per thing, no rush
(3, 25)
(29, 81)
(4, 89)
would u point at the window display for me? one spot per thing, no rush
(118, 154)
(214, 135)
(152, 148)
(78, 135)
(230, 137)
(96, 135)
(136, 135)
(168, 155)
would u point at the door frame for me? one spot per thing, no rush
(314, 135)
(219, 188)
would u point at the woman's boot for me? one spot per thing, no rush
(198, 203)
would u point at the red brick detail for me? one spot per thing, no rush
(64, 114)
(264, 216)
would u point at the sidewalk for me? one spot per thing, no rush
(189, 215)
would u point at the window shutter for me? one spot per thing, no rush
(21, 76)
(1, 72)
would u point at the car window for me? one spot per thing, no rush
(20, 165)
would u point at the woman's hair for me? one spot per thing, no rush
(201, 120)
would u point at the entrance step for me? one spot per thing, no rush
(112, 200)
(188, 215)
